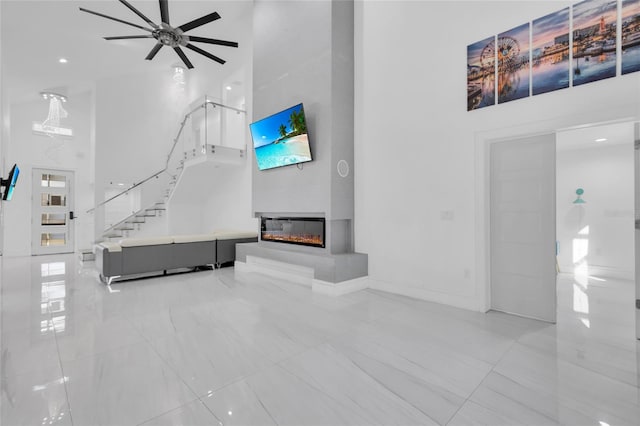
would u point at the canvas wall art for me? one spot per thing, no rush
(512, 48)
(594, 40)
(630, 36)
(481, 76)
(550, 52)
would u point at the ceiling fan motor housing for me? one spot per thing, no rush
(169, 36)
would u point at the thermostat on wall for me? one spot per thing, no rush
(343, 168)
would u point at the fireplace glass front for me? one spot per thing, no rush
(308, 231)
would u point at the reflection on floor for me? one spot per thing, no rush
(217, 347)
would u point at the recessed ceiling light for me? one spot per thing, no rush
(228, 87)
(63, 60)
(601, 140)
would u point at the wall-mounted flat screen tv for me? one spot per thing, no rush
(281, 139)
(10, 183)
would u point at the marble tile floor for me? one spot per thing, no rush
(226, 348)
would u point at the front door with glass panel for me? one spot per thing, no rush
(52, 211)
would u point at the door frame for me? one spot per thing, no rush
(483, 140)
(71, 205)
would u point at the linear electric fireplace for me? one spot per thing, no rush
(307, 231)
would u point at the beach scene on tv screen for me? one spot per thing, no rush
(281, 139)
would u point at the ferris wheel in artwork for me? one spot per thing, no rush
(506, 51)
(488, 56)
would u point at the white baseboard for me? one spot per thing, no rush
(473, 304)
(341, 288)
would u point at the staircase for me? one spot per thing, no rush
(168, 178)
(133, 222)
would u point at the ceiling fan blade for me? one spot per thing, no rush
(205, 53)
(213, 41)
(153, 52)
(116, 19)
(184, 58)
(164, 11)
(127, 37)
(200, 21)
(140, 14)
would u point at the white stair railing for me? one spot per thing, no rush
(125, 210)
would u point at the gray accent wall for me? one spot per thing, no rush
(303, 52)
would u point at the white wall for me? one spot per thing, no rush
(30, 151)
(420, 157)
(606, 173)
(212, 197)
(137, 116)
(4, 137)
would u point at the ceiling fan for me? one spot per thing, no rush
(166, 35)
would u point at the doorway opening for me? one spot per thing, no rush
(593, 211)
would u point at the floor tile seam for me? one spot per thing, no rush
(169, 366)
(198, 397)
(567, 362)
(471, 326)
(573, 340)
(385, 387)
(570, 402)
(430, 385)
(264, 407)
(298, 353)
(513, 400)
(463, 358)
(102, 353)
(206, 407)
(468, 398)
(232, 382)
(575, 365)
(575, 346)
(317, 389)
(168, 411)
(364, 372)
(564, 401)
(66, 388)
(602, 318)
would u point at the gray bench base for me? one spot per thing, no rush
(154, 274)
(137, 261)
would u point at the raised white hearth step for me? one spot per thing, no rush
(332, 274)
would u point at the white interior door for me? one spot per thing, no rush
(523, 227)
(52, 212)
